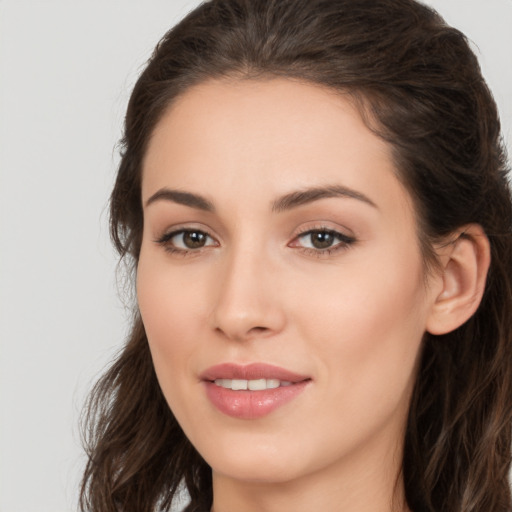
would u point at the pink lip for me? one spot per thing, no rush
(251, 371)
(248, 404)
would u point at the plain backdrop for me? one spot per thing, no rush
(66, 69)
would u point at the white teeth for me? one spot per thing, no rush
(237, 384)
(257, 385)
(252, 385)
(272, 383)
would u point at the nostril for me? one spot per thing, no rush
(253, 332)
(258, 329)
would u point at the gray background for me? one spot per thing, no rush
(66, 68)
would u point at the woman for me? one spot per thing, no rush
(314, 197)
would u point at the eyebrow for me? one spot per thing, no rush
(180, 197)
(301, 197)
(286, 202)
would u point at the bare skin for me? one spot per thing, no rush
(237, 267)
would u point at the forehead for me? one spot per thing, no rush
(269, 136)
(278, 110)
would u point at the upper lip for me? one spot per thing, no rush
(253, 371)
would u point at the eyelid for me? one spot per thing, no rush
(337, 229)
(165, 239)
(337, 234)
(344, 242)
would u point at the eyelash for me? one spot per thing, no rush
(165, 241)
(344, 242)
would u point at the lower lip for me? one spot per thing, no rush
(249, 405)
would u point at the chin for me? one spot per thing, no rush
(258, 463)
(257, 472)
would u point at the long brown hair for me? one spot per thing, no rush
(420, 88)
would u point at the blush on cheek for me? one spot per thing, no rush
(169, 316)
(380, 318)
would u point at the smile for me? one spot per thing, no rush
(251, 385)
(251, 391)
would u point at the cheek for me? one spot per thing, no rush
(367, 328)
(169, 309)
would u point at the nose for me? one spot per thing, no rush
(247, 304)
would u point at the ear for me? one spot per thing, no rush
(465, 263)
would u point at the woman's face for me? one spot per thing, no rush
(280, 249)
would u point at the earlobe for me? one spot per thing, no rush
(465, 263)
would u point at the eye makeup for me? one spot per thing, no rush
(319, 241)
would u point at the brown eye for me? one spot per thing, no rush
(194, 239)
(185, 240)
(321, 239)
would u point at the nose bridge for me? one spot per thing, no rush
(246, 304)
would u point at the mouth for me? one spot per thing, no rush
(251, 385)
(251, 391)
(250, 373)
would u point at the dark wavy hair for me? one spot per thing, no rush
(419, 87)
